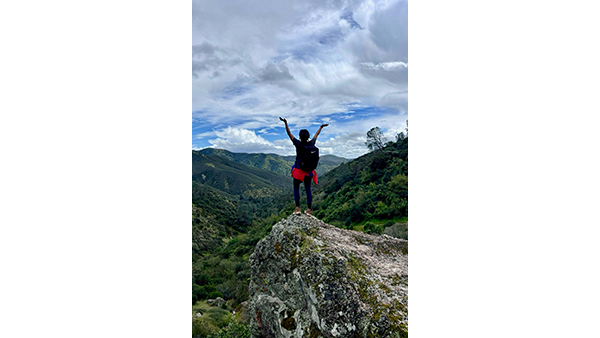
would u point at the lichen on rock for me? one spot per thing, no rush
(311, 279)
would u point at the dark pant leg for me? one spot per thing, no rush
(308, 192)
(297, 191)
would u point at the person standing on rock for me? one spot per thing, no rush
(307, 159)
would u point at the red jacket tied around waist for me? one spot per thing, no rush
(300, 174)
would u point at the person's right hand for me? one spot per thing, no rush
(324, 125)
(282, 119)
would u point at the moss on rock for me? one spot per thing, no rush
(322, 281)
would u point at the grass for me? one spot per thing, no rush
(201, 305)
(213, 315)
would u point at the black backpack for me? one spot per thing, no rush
(310, 158)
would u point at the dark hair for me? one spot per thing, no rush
(304, 135)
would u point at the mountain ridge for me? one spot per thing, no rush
(273, 162)
(236, 178)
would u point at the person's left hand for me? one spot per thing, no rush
(324, 125)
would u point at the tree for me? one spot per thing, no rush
(375, 139)
(401, 135)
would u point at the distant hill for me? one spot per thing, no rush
(234, 194)
(230, 201)
(236, 178)
(273, 162)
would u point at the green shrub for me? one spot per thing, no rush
(218, 317)
(369, 227)
(203, 279)
(233, 330)
(198, 292)
(202, 292)
(378, 229)
(202, 328)
(215, 294)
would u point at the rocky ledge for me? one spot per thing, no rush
(311, 279)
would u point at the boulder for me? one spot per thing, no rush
(311, 279)
(218, 302)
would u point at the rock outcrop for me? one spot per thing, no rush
(218, 302)
(311, 279)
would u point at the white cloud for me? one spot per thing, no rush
(213, 60)
(273, 73)
(255, 61)
(289, 41)
(350, 145)
(387, 66)
(205, 134)
(398, 100)
(243, 141)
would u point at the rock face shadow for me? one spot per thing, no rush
(311, 279)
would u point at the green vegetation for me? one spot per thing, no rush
(375, 139)
(208, 320)
(398, 230)
(368, 191)
(272, 162)
(235, 178)
(235, 205)
(233, 330)
(227, 222)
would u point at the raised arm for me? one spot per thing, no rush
(319, 131)
(287, 129)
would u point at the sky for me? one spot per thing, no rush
(312, 62)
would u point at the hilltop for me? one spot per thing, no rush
(273, 162)
(235, 178)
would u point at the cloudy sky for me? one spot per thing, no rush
(313, 61)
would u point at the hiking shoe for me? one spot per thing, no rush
(308, 211)
(298, 210)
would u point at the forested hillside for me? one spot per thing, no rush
(326, 163)
(272, 162)
(372, 188)
(235, 205)
(236, 178)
